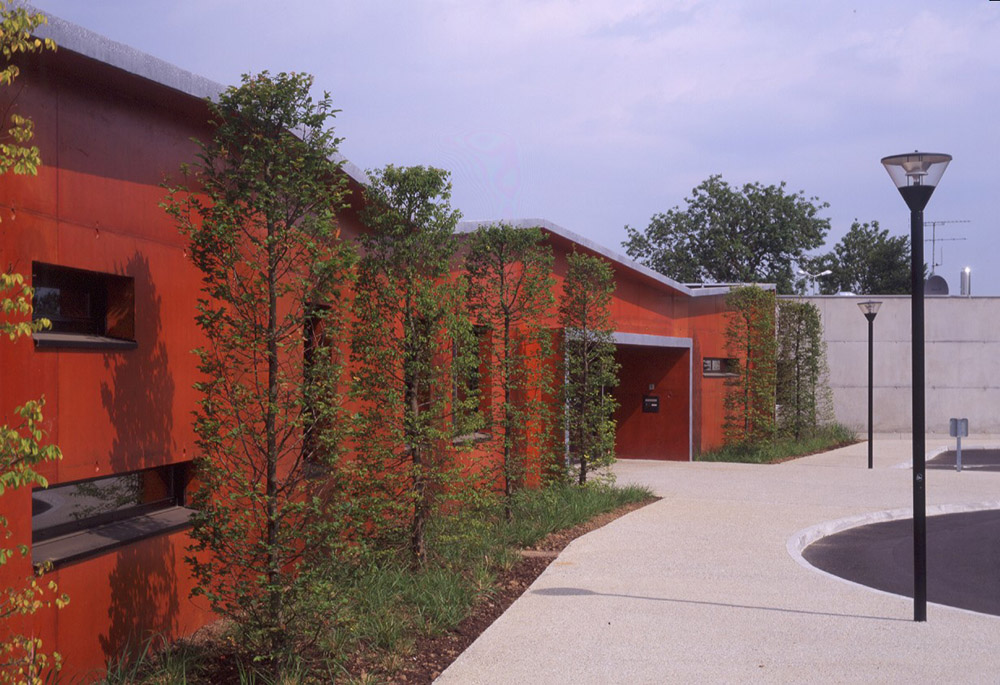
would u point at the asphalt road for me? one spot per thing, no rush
(963, 558)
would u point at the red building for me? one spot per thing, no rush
(110, 269)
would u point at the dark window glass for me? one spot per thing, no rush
(70, 507)
(717, 366)
(83, 302)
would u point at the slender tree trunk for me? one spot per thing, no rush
(418, 549)
(507, 418)
(747, 400)
(270, 419)
(411, 384)
(584, 410)
(798, 384)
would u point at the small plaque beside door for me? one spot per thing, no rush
(651, 404)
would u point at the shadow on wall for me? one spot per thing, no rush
(144, 602)
(140, 397)
(139, 401)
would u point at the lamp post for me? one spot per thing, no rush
(870, 309)
(814, 277)
(916, 175)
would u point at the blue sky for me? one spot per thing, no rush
(596, 114)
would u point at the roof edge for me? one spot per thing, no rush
(75, 38)
(562, 232)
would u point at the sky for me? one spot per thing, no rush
(597, 114)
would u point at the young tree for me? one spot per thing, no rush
(590, 369)
(866, 261)
(510, 296)
(751, 234)
(801, 390)
(262, 226)
(22, 656)
(16, 28)
(750, 342)
(412, 347)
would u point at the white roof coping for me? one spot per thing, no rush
(646, 340)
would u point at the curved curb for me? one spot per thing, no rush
(937, 451)
(805, 537)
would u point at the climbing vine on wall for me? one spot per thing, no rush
(750, 341)
(802, 389)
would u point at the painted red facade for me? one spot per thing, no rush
(108, 139)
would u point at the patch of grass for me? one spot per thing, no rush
(782, 449)
(540, 512)
(387, 605)
(154, 661)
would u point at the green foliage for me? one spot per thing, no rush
(751, 234)
(413, 348)
(510, 296)
(154, 660)
(802, 389)
(866, 261)
(22, 448)
(16, 27)
(15, 305)
(750, 341)
(559, 506)
(590, 369)
(827, 437)
(388, 604)
(263, 231)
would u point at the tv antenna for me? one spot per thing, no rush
(933, 240)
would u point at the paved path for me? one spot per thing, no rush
(707, 585)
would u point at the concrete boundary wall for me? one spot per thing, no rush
(962, 361)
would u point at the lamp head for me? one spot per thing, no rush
(916, 174)
(869, 308)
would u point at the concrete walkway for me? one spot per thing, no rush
(705, 586)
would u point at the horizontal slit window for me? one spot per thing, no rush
(719, 366)
(89, 516)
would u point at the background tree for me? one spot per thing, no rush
(263, 231)
(22, 448)
(866, 261)
(412, 346)
(801, 389)
(750, 342)
(591, 371)
(752, 234)
(510, 296)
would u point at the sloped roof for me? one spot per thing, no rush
(610, 255)
(69, 36)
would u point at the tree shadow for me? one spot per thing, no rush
(144, 601)
(139, 400)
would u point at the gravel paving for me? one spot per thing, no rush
(709, 584)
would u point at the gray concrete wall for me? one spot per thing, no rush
(962, 362)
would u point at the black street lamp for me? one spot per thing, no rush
(916, 175)
(870, 309)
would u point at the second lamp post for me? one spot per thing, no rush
(870, 309)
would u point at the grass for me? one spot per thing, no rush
(782, 449)
(388, 605)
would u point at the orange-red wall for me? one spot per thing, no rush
(107, 141)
